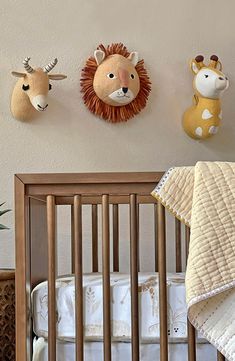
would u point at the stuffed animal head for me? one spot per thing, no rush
(34, 83)
(209, 81)
(116, 80)
(115, 84)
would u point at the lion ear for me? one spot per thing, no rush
(99, 56)
(134, 58)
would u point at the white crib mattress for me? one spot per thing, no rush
(93, 351)
(120, 307)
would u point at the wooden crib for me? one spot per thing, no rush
(37, 197)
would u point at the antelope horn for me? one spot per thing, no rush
(50, 66)
(27, 67)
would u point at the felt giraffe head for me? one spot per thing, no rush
(209, 80)
(31, 90)
(202, 120)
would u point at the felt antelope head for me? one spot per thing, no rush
(31, 90)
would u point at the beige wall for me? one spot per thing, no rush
(67, 137)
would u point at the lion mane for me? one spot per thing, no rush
(111, 113)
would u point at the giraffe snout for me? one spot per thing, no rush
(221, 83)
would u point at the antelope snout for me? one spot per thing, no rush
(40, 102)
(221, 83)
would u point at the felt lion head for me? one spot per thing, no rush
(114, 83)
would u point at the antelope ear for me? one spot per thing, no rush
(194, 66)
(57, 76)
(134, 58)
(18, 74)
(99, 56)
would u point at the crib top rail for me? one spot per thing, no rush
(91, 186)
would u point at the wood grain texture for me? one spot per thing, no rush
(106, 277)
(78, 277)
(115, 238)
(94, 230)
(72, 240)
(178, 248)
(87, 178)
(192, 356)
(134, 262)
(162, 283)
(51, 229)
(22, 264)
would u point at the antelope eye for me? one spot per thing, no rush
(111, 76)
(25, 87)
(132, 76)
(206, 76)
(50, 86)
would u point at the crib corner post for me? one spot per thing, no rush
(22, 275)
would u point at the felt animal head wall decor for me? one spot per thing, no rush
(203, 118)
(114, 83)
(30, 92)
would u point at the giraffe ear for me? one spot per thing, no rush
(219, 65)
(194, 66)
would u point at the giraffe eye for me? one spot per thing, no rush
(25, 87)
(132, 76)
(206, 76)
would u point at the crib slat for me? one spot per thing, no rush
(106, 277)
(156, 236)
(134, 277)
(72, 240)
(187, 238)
(162, 282)
(191, 330)
(178, 255)
(78, 277)
(220, 357)
(94, 238)
(51, 229)
(138, 236)
(115, 238)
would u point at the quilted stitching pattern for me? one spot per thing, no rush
(210, 277)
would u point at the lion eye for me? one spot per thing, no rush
(132, 76)
(206, 76)
(50, 86)
(25, 87)
(111, 76)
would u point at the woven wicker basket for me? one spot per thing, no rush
(7, 315)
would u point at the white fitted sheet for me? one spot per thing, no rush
(93, 351)
(120, 307)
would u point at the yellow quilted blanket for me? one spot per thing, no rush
(203, 197)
